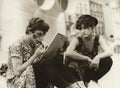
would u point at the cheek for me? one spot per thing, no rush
(40, 38)
(90, 31)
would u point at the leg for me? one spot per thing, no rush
(45, 74)
(88, 75)
(68, 74)
(104, 67)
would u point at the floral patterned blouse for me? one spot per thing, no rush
(23, 49)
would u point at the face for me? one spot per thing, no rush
(38, 35)
(86, 32)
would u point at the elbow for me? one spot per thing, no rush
(68, 53)
(111, 53)
(17, 72)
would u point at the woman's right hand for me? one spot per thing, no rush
(88, 59)
(39, 51)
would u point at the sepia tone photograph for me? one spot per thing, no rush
(59, 43)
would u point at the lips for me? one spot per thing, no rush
(84, 33)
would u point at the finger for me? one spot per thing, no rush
(41, 47)
(97, 66)
(93, 65)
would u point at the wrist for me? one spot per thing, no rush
(88, 59)
(98, 57)
(35, 55)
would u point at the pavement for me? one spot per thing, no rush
(2, 82)
(110, 80)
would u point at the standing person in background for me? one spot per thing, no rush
(82, 53)
(24, 70)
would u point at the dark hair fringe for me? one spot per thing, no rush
(37, 24)
(87, 21)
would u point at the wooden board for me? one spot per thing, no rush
(52, 50)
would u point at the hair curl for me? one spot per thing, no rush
(87, 21)
(37, 24)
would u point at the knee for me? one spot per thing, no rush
(107, 62)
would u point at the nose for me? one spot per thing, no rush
(82, 30)
(40, 38)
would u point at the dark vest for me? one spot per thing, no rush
(84, 51)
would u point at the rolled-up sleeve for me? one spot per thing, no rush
(16, 51)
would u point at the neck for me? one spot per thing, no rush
(88, 38)
(29, 40)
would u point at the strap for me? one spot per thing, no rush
(96, 41)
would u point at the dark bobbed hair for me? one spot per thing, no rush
(37, 24)
(87, 21)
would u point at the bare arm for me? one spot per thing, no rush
(107, 52)
(19, 66)
(70, 52)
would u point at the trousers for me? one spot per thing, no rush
(55, 73)
(92, 74)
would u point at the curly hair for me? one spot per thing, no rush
(37, 24)
(87, 21)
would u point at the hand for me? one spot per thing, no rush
(40, 50)
(95, 63)
(89, 59)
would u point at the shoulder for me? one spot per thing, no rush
(16, 45)
(77, 39)
(101, 38)
(74, 42)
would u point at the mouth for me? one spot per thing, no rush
(84, 34)
(38, 41)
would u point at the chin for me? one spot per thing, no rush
(85, 36)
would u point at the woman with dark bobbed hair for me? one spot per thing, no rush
(83, 52)
(24, 69)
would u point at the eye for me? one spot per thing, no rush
(39, 34)
(80, 28)
(85, 27)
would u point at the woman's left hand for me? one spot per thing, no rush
(95, 63)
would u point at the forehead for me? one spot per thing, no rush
(38, 31)
(83, 25)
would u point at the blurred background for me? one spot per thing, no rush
(61, 15)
